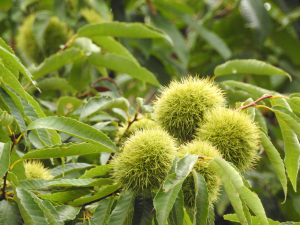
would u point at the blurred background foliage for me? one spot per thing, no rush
(204, 34)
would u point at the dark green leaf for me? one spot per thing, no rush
(102, 212)
(68, 168)
(143, 211)
(9, 213)
(4, 157)
(67, 212)
(176, 216)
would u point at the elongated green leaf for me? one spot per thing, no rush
(4, 157)
(201, 200)
(30, 209)
(231, 193)
(102, 212)
(260, 120)
(291, 143)
(103, 103)
(96, 172)
(65, 196)
(228, 172)
(39, 183)
(180, 48)
(257, 18)
(176, 216)
(4, 136)
(9, 213)
(67, 105)
(187, 220)
(13, 61)
(80, 74)
(57, 61)
(76, 129)
(113, 46)
(68, 168)
(183, 169)
(123, 208)
(124, 66)
(275, 159)
(120, 29)
(50, 212)
(143, 207)
(67, 212)
(64, 150)
(10, 80)
(247, 213)
(255, 220)
(248, 66)
(106, 190)
(4, 45)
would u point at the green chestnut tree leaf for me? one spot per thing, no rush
(125, 66)
(59, 171)
(57, 61)
(4, 157)
(103, 103)
(123, 208)
(65, 196)
(201, 200)
(96, 172)
(9, 213)
(143, 210)
(249, 66)
(119, 29)
(102, 212)
(275, 159)
(67, 212)
(74, 128)
(234, 179)
(291, 144)
(176, 216)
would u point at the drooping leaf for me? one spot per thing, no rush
(123, 208)
(252, 201)
(248, 66)
(67, 212)
(18, 170)
(102, 212)
(57, 61)
(4, 157)
(125, 65)
(5, 119)
(143, 210)
(9, 213)
(176, 216)
(103, 103)
(275, 159)
(76, 129)
(201, 200)
(120, 29)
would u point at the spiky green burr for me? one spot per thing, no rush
(144, 163)
(36, 170)
(181, 106)
(234, 134)
(56, 33)
(213, 182)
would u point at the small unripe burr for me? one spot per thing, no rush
(181, 106)
(36, 170)
(234, 134)
(144, 163)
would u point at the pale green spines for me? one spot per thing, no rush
(57, 33)
(145, 161)
(213, 182)
(182, 105)
(234, 134)
(36, 170)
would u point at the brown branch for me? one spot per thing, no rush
(151, 6)
(256, 101)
